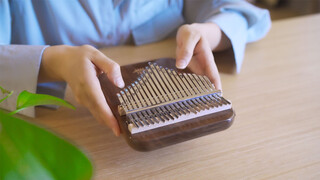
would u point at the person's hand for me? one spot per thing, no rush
(79, 67)
(195, 43)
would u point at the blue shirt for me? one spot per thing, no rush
(27, 26)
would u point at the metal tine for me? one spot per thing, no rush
(130, 99)
(194, 78)
(148, 86)
(189, 107)
(209, 82)
(183, 83)
(134, 96)
(164, 114)
(219, 99)
(152, 95)
(171, 88)
(183, 108)
(215, 100)
(147, 96)
(207, 104)
(138, 93)
(152, 80)
(149, 117)
(143, 118)
(123, 104)
(154, 84)
(194, 89)
(200, 87)
(169, 111)
(157, 79)
(176, 86)
(137, 100)
(137, 88)
(133, 121)
(185, 90)
(137, 119)
(157, 118)
(164, 84)
(203, 80)
(152, 89)
(168, 88)
(189, 90)
(195, 107)
(209, 101)
(204, 105)
(224, 100)
(181, 91)
(206, 87)
(126, 100)
(191, 83)
(163, 88)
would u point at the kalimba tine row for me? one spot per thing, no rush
(162, 106)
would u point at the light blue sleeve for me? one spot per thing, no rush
(5, 22)
(240, 21)
(19, 64)
(19, 67)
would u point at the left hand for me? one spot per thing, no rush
(195, 43)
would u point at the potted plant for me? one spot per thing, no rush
(28, 151)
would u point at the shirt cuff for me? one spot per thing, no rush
(56, 89)
(19, 68)
(234, 26)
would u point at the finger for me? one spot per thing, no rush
(205, 59)
(88, 92)
(111, 68)
(186, 41)
(211, 68)
(96, 103)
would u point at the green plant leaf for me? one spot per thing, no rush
(30, 152)
(27, 99)
(7, 93)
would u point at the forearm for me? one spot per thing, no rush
(217, 40)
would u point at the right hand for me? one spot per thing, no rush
(79, 66)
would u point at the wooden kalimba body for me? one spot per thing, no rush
(161, 105)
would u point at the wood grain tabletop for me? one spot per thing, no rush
(276, 132)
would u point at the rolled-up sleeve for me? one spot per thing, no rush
(239, 20)
(19, 68)
(20, 64)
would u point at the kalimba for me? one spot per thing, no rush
(161, 105)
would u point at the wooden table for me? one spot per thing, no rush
(276, 133)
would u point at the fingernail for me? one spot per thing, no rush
(115, 132)
(182, 64)
(120, 82)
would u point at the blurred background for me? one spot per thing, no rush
(280, 9)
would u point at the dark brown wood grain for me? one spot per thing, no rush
(167, 135)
